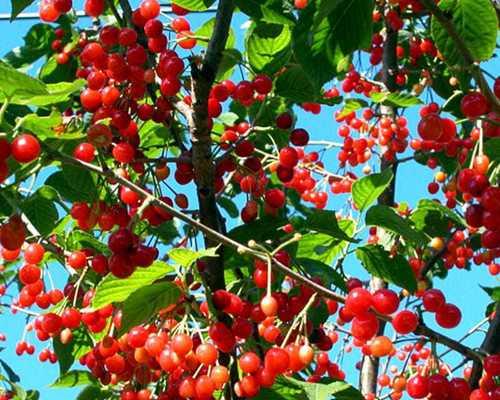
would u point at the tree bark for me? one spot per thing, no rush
(370, 365)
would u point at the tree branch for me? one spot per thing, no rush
(447, 24)
(222, 239)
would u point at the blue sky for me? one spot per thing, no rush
(461, 287)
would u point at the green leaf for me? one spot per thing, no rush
(57, 93)
(15, 84)
(367, 189)
(145, 303)
(325, 221)
(290, 388)
(295, 85)
(346, 15)
(74, 378)
(476, 24)
(206, 31)
(433, 218)
(18, 6)
(228, 118)
(492, 149)
(352, 105)
(194, 5)
(73, 184)
(13, 377)
(44, 127)
(115, 290)
(227, 204)
(493, 292)
(78, 239)
(399, 100)
(387, 218)
(186, 257)
(327, 274)
(320, 247)
(272, 11)
(378, 262)
(67, 354)
(92, 392)
(230, 58)
(36, 44)
(268, 47)
(41, 212)
(53, 72)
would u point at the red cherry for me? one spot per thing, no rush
(448, 316)
(149, 9)
(25, 148)
(385, 301)
(275, 198)
(84, 152)
(33, 254)
(94, 8)
(358, 301)
(299, 137)
(405, 322)
(430, 127)
(473, 105)
(433, 300)
(417, 387)
(249, 362)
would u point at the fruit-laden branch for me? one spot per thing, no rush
(447, 24)
(224, 240)
(490, 345)
(202, 80)
(370, 365)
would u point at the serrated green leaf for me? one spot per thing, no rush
(230, 58)
(268, 47)
(67, 354)
(352, 105)
(319, 246)
(325, 221)
(15, 84)
(194, 5)
(186, 257)
(228, 205)
(74, 378)
(367, 189)
(327, 274)
(145, 303)
(115, 290)
(57, 93)
(73, 184)
(18, 6)
(433, 218)
(399, 100)
(378, 262)
(295, 85)
(206, 30)
(37, 43)
(44, 127)
(271, 11)
(41, 212)
(228, 118)
(78, 240)
(493, 292)
(92, 392)
(387, 218)
(476, 24)
(53, 72)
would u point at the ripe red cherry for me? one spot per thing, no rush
(276, 360)
(492, 364)
(262, 84)
(249, 362)
(90, 99)
(63, 6)
(275, 198)
(182, 344)
(84, 152)
(204, 387)
(459, 389)
(180, 24)
(430, 127)
(123, 152)
(33, 254)
(284, 121)
(405, 322)
(474, 105)
(149, 9)
(94, 8)
(439, 387)
(433, 300)
(48, 12)
(77, 259)
(299, 137)
(417, 387)
(365, 326)
(29, 274)
(358, 301)
(222, 337)
(448, 316)
(51, 323)
(288, 157)
(71, 318)
(385, 301)
(25, 148)
(207, 354)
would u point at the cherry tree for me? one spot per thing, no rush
(208, 240)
